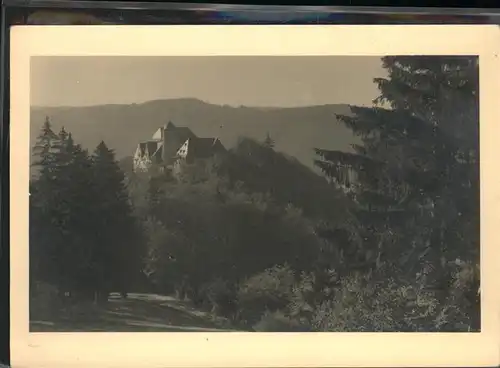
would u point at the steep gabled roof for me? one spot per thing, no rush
(197, 147)
(204, 147)
(157, 136)
(183, 133)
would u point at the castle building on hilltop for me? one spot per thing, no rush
(171, 145)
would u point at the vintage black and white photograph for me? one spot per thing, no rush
(254, 194)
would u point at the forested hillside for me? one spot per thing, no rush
(385, 239)
(296, 131)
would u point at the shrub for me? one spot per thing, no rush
(220, 296)
(278, 321)
(311, 290)
(350, 309)
(461, 309)
(362, 304)
(269, 290)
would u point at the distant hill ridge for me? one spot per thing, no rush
(295, 130)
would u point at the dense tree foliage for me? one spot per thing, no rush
(82, 232)
(415, 177)
(386, 240)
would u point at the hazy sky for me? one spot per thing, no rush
(251, 81)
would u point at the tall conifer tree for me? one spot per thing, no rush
(415, 174)
(268, 141)
(78, 194)
(119, 237)
(61, 212)
(44, 234)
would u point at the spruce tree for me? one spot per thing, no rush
(83, 236)
(414, 176)
(269, 142)
(119, 237)
(82, 207)
(45, 239)
(44, 146)
(61, 205)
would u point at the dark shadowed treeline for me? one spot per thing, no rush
(83, 236)
(386, 240)
(416, 181)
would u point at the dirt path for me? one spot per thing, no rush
(137, 313)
